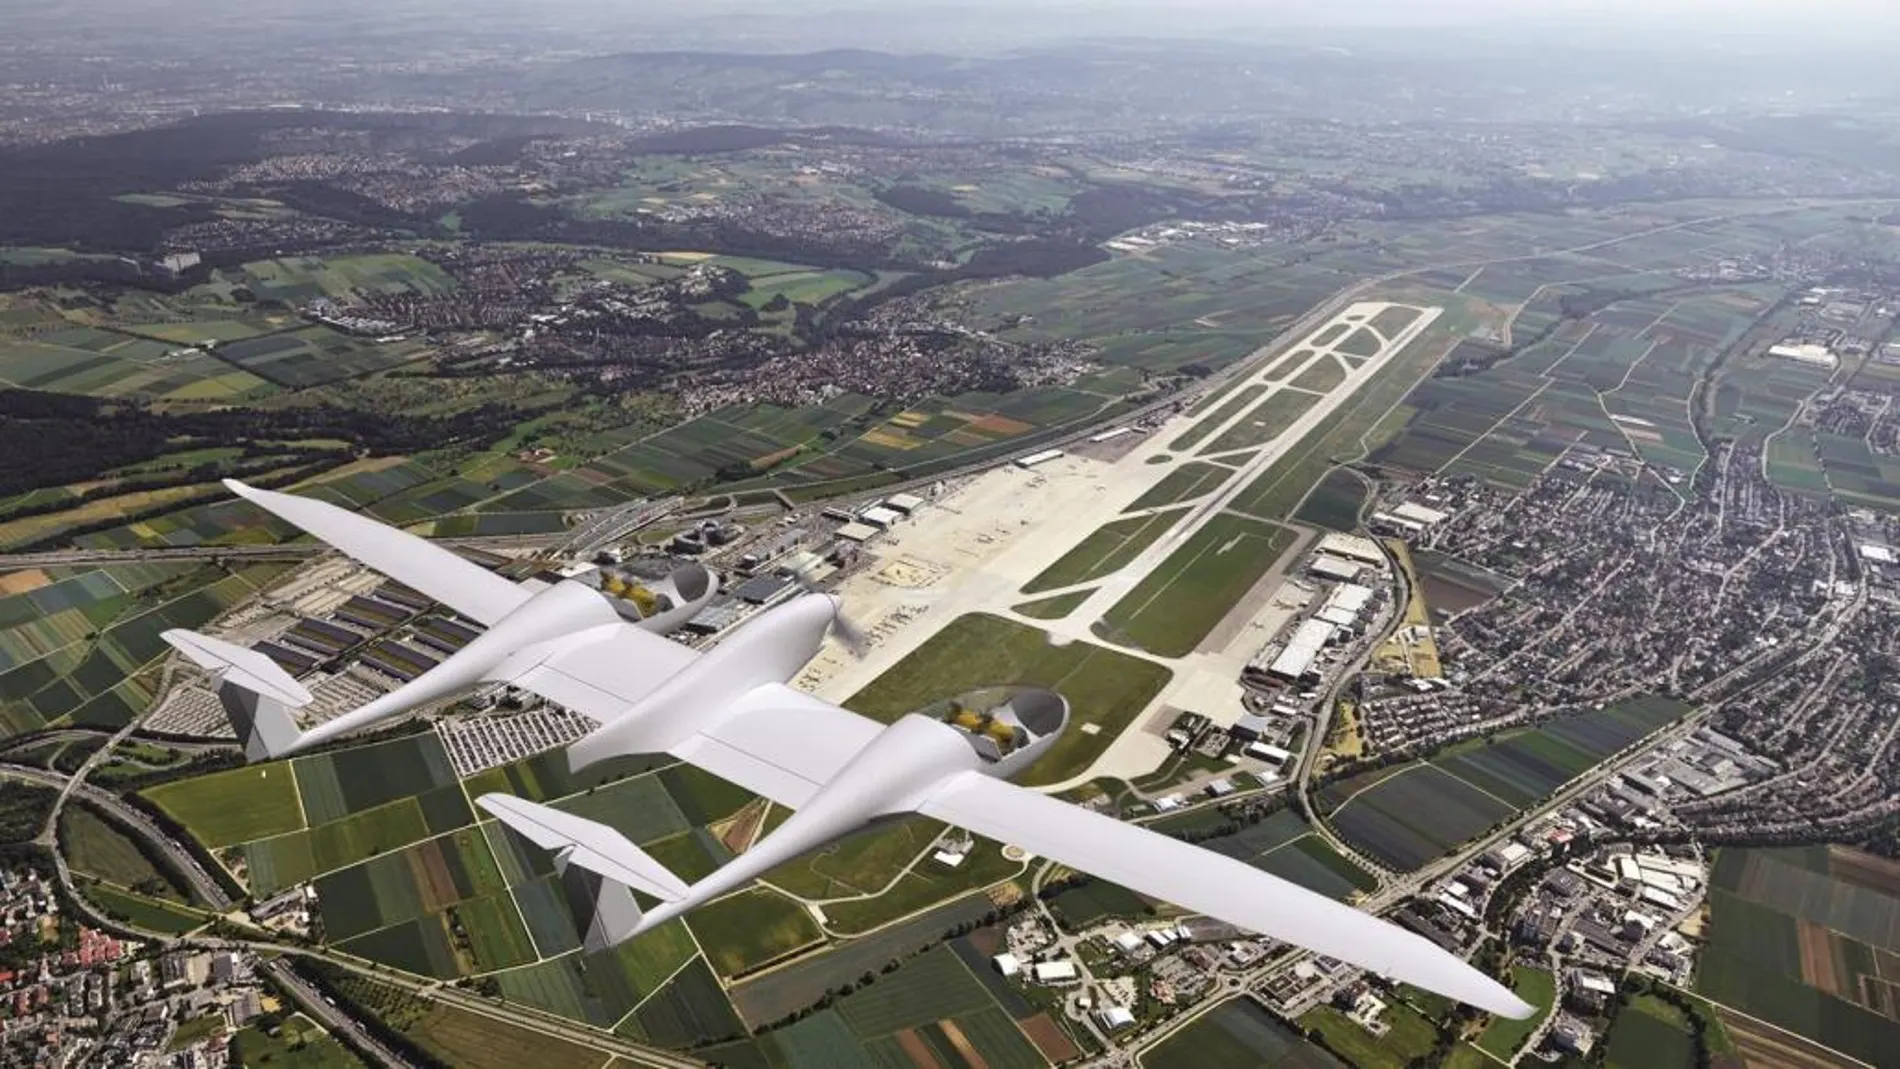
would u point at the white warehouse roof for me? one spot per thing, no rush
(905, 503)
(1034, 459)
(1351, 597)
(1302, 649)
(1419, 513)
(879, 516)
(1329, 567)
(857, 532)
(1352, 547)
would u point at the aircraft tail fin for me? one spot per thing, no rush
(256, 694)
(600, 869)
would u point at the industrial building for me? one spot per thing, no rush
(907, 504)
(1352, 547)
(857, 532)
(1034, 459)
(1111, 434)
(1418, 513)
(1805, 353)
(880, 516)
(1337, 569)
(1295, 660)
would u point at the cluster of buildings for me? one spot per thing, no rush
(1339, 609)
(72, 995)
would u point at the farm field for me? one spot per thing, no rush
(207, 806)
(1103, 687)
(1615, 371)
(1237, 1034)
(1284, 845)
(1335, 502)
(462, 1038)
(1106, 550)
(1503, 1036)
(772, 995)
(1650, 1034)
(743, 932)
(75, 648)
(1803, 938)
(1360, 425)
(1187, 595)
(1427, 808)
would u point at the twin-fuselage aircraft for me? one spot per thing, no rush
(729, 711)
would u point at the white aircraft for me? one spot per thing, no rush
(730, 712)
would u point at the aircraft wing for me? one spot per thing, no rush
(779, 742)
(600, 680)
(466, 587)
(1210, 883)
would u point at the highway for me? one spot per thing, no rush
(58, 558)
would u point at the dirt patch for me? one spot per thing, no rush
(917, 1050)
(737, 833)
(995, 424)
(1449, 598)
(1763, 1046)
(1819, 969)
(1049, 1038)
(962, 1045)
(21, 582)
(1865, 870)
(432, 876)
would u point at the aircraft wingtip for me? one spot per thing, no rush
(238, 488)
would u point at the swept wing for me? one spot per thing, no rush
(466, 587)
(1207, 882)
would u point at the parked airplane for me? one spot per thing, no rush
(730, 712)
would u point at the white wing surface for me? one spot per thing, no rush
(594, 847)
(1209, 883)
(466, 587)
(600, 680)
(779, 742)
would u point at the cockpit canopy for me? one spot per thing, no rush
(1000, 721)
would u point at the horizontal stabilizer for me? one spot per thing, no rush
(256, 694)
(599, 867)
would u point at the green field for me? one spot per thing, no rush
(465, 1039)
(97, 848)
(300, 1042)
(1263, 423)
(1237, 1034)
(1056, 607)
(1184, 483)
(1183, 599)
(1103, 687)
(1408, 1036)
(1232, 406)
(158, 915)
(232, 807)
(742, 932)
(1650, 1034)
(1109, 548)
(1503, 1036)
(1790, 926)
